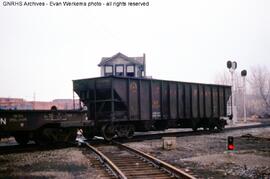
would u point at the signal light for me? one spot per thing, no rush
(230, 147)
(229, 64)
(230, 143)
(244, 73)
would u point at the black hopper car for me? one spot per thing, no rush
(119, 106)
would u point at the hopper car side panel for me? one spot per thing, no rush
(156, 100)
(194, 101)
(180, 99)
(173, 101)
(201, 101)
(165, 100)
(187, 101)
(207, 101)
(169, 100)
(133, 91)
(145, 100)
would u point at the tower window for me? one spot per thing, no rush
(119, 70)
(131, 70)
(108, 70)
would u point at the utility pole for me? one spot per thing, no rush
(244, 74)
(232, 67)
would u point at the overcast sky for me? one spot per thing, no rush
(42, 49)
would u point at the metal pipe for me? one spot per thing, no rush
(233, 109)
(244, 100)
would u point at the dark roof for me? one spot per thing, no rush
(135, 60)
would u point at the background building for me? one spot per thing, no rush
(121, 65)
(19, 103)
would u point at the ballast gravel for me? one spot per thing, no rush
(205, 156)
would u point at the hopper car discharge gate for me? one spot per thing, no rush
(119, 106)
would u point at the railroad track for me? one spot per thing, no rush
(13, 148)
(159, 135)
(125, 162)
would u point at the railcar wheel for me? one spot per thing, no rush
(108, 132)
(55, 135)
(212, 128)
(130, 132)
(22, 138)
(71, 135)
(46, 136)
(41, 139)
(220, 127)
(194, 128)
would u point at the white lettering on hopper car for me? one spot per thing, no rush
(3, 121)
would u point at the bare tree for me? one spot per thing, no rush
(258, 90)
(260, 83)
(223, 78)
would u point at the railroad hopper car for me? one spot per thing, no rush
(42, 126)
(121, 105)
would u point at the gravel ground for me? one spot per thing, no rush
(60, 163)
(205, 156)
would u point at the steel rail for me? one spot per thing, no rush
(105, 159)
(159, 135)
(173, 170)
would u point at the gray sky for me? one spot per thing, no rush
(42, 49)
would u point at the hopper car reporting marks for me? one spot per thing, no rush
(119, 106)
